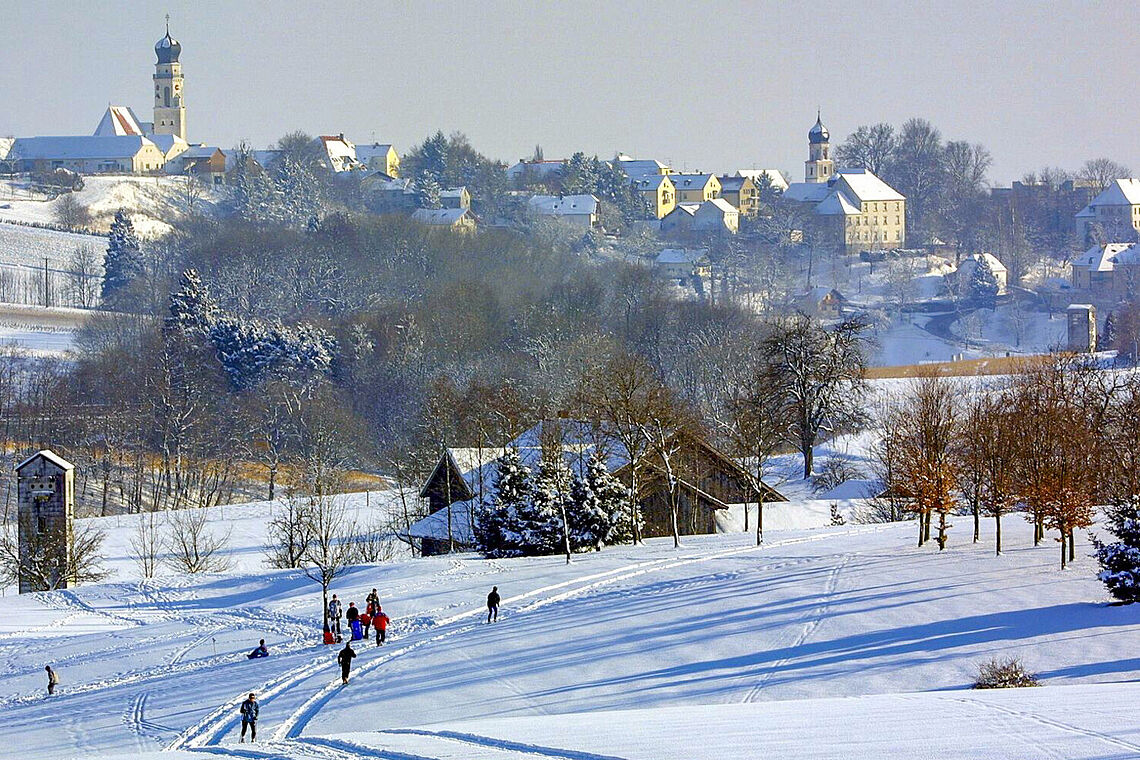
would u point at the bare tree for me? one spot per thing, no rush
(288, 533)
(872, 148)
(330, 549)
(46, 565)
(146, 544)
(70, 213)
(1100, 172)
(819, 370)
(195, 546)
(84, 277)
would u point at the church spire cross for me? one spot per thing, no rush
(167, 24)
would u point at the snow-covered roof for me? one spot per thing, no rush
(690, 181)
(542, 169)
(439, 217)
(267, 158)
(49, 455)
(1102, 258)
(566, 205)
(865, 186)
(341, 153)
(807, 192)
(837, 203)
(1121, 192)
(681, 256)
(637, 168)
(647, 182)
(78, 147)
(170, 145)
(119, 120)
(730, 184)
(200, 151)
(818, 294)
(720, 204)
(774, 176)
(365, 153)
(453, 192)
(684, 208)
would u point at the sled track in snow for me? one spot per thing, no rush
(816, 617)
(214, 725)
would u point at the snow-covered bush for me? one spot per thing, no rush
(1004, 673)
(1120, 560)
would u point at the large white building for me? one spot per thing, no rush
(851, 209)
(1114, 215)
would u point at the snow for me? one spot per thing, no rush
(29, 246)
(820, 643)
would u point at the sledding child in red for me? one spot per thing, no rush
(380, 621)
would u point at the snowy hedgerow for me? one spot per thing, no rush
(1120, 560)
(1006, 673)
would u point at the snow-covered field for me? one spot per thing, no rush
(41, 331)
(29, 246)
(836, 642)
(151, 201)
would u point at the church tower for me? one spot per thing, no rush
(169, 95)
(819, 167)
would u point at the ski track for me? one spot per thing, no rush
(506, 745)
(1060, 726)
(817, 616)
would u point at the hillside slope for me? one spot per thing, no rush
(838, 612)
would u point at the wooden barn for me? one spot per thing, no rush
(465, 477)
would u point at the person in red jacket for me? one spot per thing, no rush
(381, 622)
(365, 621)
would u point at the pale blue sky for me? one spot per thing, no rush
(708, 85)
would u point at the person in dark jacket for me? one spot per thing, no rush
(260, 651)
(345, 660)
(372, 602)
(249, 710)
(53, 679)
(493, 604)
(334, 616)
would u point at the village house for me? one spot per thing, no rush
(772, 176)
(679, 221)
(717, 216)
(204, 162)
(1112, 269)
(638, 168)
(538, 171)
(465, 479)
(742, 193)
(965, 271)
(695, 188)
(457, 219)
(822, 303)
(577, 210)
(336, 153)
(682, 263)
(1113, 216)
(455, 197)
(658, 191)
(379, 157)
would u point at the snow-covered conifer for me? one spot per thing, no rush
(191, 307)
(1120, 560)
(124, 262)
(499, 531)
(983, 288)
(545, 518)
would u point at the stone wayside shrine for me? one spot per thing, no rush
(46, 499)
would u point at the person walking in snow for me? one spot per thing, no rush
(249, 710)
(493, 604)
(381, 623)
(372, 602)
(352, 617)
(53, 679)
(334, 616)
(366, 620)
(345, 660)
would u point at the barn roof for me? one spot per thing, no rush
(49, 455)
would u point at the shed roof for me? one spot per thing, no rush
(49, 455)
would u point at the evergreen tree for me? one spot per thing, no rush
(500, 530)
(599, 512)
(124, 262)
(983, 287)
(1120, 560)
(546, 517)
(1107, 336)
(298, 192)
(191, 307)
(428, 191)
